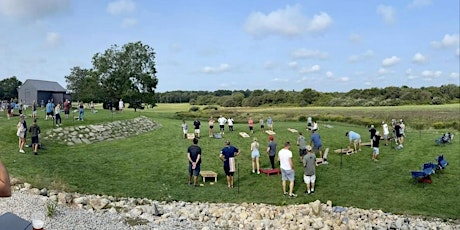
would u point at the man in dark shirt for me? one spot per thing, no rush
(194, 161)
(196, 125)
(34, 130)
(227, 155)
(398, 133)
(375, 146)
(372, 131)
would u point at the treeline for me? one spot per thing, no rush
(388, 96)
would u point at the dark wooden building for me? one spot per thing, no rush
(41, 91)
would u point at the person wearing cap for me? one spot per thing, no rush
(21, 133)
(255, 155)
(271, 150)
(375, 146)
(354, 138)
(372, 131)
(287, 169)
(227, 155)
(309, 164)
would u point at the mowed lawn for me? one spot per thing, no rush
(154, 165)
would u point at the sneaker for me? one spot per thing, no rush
(35, 153)
(253, 171)
(258, 172)
(312, 191)
(307, 193)
(292, 195)
(21, 151)
(285, 194)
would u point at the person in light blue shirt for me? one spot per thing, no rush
(354, 138)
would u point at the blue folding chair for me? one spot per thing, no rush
(429, 168)
(420, 177)
(442, 163)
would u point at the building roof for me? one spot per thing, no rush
(41, 85)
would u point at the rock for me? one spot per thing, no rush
(316, 207)
(98, 203)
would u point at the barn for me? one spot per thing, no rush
(41, 91)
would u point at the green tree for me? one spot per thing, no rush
(127, 73)
(9, 88)
(84, 85)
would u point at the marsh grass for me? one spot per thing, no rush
(154, 165)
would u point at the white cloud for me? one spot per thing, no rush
(449, 40)
(219, 69)
(121, 7)
(52, 39)
(387, 12)
(410, 75)
(430, 74)
(286, 22)
(270, 65)
(312, 69)
(383, 71)
(320, 22)
(293, 64)
(32, 10)
(305, 53)
(390, 61)
(454, 75)
(279, 80)
(419, 58)
(128, 22)
(344, 79)
(329, 74)
(419, 3)
(362, 56)
(368, 83)
(355, 38)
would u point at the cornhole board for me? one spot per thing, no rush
(344, 151)
(292, 130)
(190, 136)
(205, 174)
(243, 134)
(269, 132)
(269, 171)
(365, 143)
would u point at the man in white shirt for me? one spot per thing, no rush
(222, 120)
(287, 169)
(386, 132)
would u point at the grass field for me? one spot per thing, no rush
(154, 165)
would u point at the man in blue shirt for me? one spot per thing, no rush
(354, 138)
(227, 155)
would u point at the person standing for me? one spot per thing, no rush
(251, 125)
(196, 125)
(222, 120)
(372, 131)
(184, 129)
(399, 135)
(354, 138)
(287, 169)
(262, 124)
(211, 126)
(49, 110)
(5, 185)
(230, 124)
(34, 130)
(81, 111)
(375, 146)
(386, 132)
(315, 141)
(271, 150)
(121, 105)
(194, 162)
(34, 109)
(255, 155)
(227, 155)
(57, 114)
(21, 133)
(270, 123)
(67, 108)
(309, 164)
(302, 143)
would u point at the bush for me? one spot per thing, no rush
(210, 107)
(302, 119)
(194, 109)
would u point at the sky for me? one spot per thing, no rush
(329, 46)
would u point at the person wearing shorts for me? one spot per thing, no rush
(309, 177)
(287, 169)
(315, 141)
(34, 130)
(225, 156)
(375, 146)
(386, 132)
(211, 126)
(354, 139)
(302, 143)
(255, 155)
(194, 162)
(196, 125)
(184, 129)
(262, 124)
(251, 125)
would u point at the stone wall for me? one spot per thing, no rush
(87, 134)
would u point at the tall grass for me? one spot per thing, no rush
(154, 165)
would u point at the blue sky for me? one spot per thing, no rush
(329, 46)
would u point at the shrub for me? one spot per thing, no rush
(194, 108)
(210, 107)
(302, 119)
